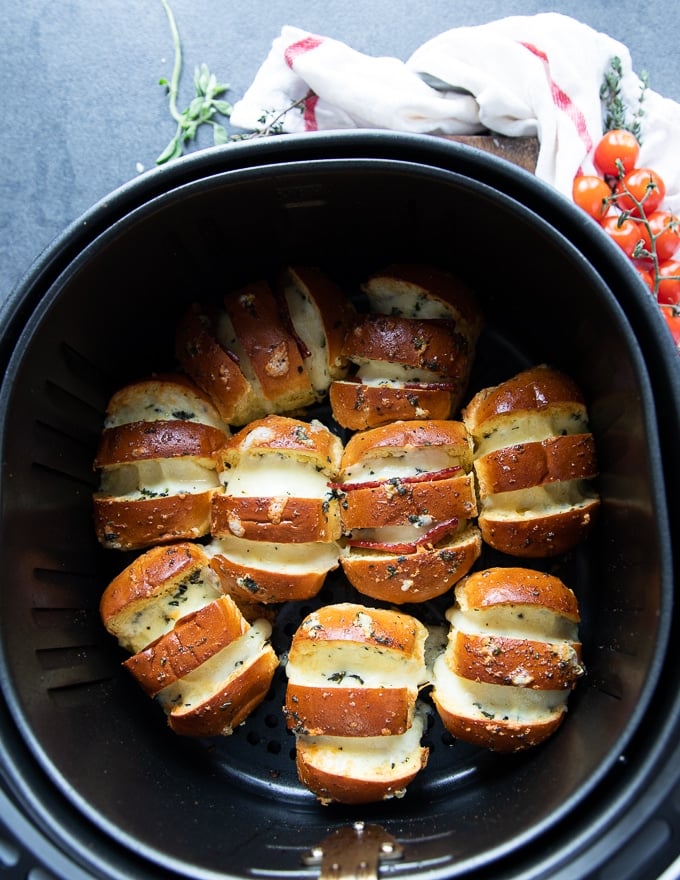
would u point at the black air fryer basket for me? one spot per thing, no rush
(93, 781)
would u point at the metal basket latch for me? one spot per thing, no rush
(354, 851)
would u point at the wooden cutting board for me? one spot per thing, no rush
(522, 151)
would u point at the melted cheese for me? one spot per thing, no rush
(537, 501)
(367, 757)
(275, 475)
(512, 428)
(159, 478)
(373, 372)
(151, 618)
(350, 664)
(494, 702)
(406, 301)
(408, 463)
(293, 559)
(514, 621)
(309, 327)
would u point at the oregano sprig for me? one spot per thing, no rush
(204, 107)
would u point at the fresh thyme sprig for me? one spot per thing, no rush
(272, 121)
(204, 107)
(616, 112)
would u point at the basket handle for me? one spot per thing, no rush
(354, 852)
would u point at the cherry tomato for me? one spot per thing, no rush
(624, 231)
(665, 227)
(668, 291)
(641, 186)
(592, 194)
(617, 144)
(672, 316)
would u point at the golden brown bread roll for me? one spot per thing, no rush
(275, 474)
(221, 692)
(156, 464)
(412, 350)
(193, 649)
(358, 406)
(512, 658)
(267, 350)
(425, 291)
(155, 590)
(275, 528)
(407, 508)
(353, 679)
(535, 462)
(194, 638)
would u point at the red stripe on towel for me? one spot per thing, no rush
(310, 112)
(299, 48)
(562, 100)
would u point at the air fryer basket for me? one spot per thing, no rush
(85, 752)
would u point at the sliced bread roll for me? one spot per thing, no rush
(512, 658)
(193, 639)
(156, 464)
(351, 699)
(361, 770)
(319, 315)
(267, 350)
(420, 368)
(220, 692)
(413, 351)
(415, 290)
(159, 587)
(535, 463)
(407, 507)
(269, 572)
(192, 647)
(275, 474)
(201, 345)
(243, 355)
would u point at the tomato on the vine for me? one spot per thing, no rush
(672, 318)
(617, 145)
(627, 201)
(592, 195)
(668, 292)
(641, 186)
(664, 227)
(624, 231)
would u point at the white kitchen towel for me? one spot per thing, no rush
(522, 75)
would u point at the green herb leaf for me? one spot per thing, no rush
(172, 151)
(220, 135)
(202, 108)
(207, 104)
